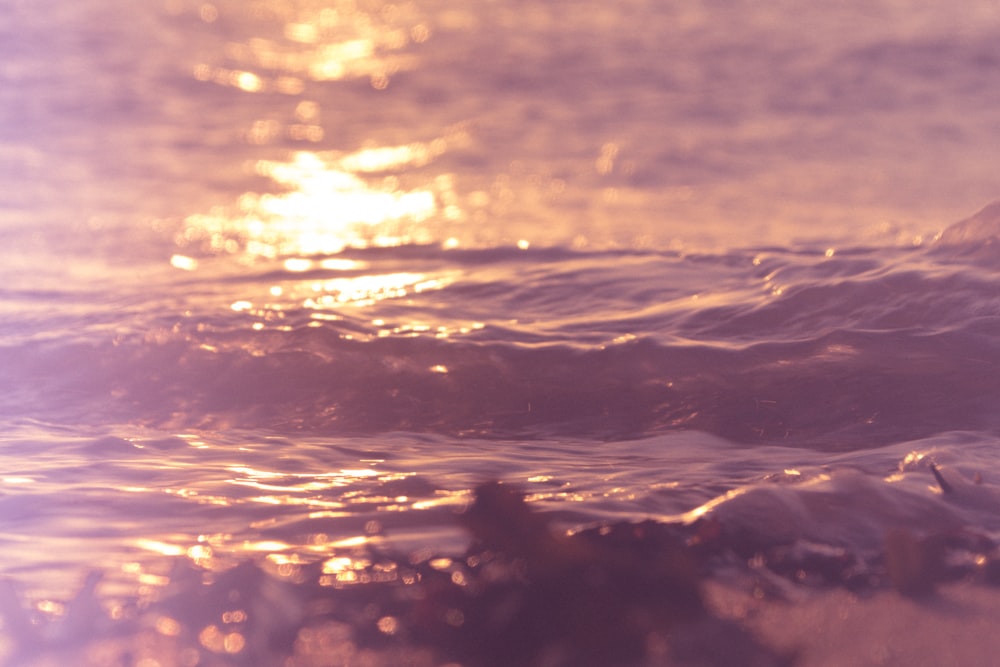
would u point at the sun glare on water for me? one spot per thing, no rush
(325, 207)
(331, 43)
(321, 201)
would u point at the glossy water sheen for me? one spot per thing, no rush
(282, 280)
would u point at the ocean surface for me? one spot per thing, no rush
(281, 283)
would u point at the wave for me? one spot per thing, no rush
(826, 349)
(842, 390)
(977, 236)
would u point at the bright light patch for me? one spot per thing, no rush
(388, 625)
(266, 545)
(298, 264)
(325, 204)
(161, 548)
(335, 264)
(183, 262)
(335, 565)
(248, 81)
(358, 541)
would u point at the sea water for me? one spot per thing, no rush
(282, 282)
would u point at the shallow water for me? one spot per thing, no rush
(284, 282)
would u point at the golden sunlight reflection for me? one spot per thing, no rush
(321, 44)
(366, 290)
(17, 480)
(342, 550)
(193, 440)
(700, 511)
(265, 546)
(454, 499)
(265, 480)
(324, 300)
(337, 564)
(162, 548)
(349, 542)
(184, 263)
(327, 206)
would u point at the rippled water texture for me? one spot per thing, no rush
(282, 284)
